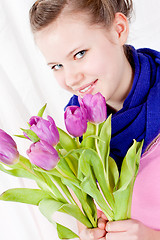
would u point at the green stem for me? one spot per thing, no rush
(63, 188)
(62, 173)
(77, 141)
(29, 170)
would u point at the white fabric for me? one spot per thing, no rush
(26, 84)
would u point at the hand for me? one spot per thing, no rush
(95, 233)
(130, 230)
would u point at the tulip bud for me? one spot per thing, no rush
(75, 120)
(43, 155)
(95, 106)
(8, 149)
(45, 129)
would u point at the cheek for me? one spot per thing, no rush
(95, 66)
(61, 81)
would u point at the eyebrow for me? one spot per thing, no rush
(70, 53)
(74, 50)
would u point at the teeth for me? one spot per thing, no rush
(85, 89)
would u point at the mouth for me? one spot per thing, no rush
(88, 88)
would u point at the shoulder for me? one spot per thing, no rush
(155, 144)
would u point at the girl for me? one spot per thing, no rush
(84, 43)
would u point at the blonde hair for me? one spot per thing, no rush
(43, 12)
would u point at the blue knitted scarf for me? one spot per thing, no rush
(140, 116)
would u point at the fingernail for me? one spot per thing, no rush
(108, 227)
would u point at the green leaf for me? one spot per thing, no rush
(65, 170)
(92, 167)
(85, 201)
(66, 141)
(64, 188)
(48, 207)
(89, 186)
(51, 188)
(74, 211)
(104, 144)
(130, 165)
(88, 141)
(72, 163)
(65, 233)
(20, 136)
(122, 203)
(31, 135)
(24, 163)
(18, 172)
(113, 173)
(22, 169)
(124, 189)
(91, 204)
(54, 171)
(24, 195)
(41, 111)
(90, 158)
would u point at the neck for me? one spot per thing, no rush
(116, 103)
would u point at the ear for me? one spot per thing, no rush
(122, 27)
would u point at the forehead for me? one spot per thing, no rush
(65, 34)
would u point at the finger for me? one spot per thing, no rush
(117, 236)
(92, 234)
(119, 226)
(98, 233)
(104, 216)
(99, 213)
(102, 223)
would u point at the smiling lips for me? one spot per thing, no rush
(88, 88)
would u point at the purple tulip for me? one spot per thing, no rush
(43, 155)
(75, 120)
(8, 149)
(95, 106)
(45, 129)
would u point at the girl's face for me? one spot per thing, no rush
(87, 58)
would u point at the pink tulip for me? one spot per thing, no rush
(45, 129)
(8, 149)
(75, 120)
(43, 155)
(95, 106)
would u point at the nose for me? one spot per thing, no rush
(73, 77)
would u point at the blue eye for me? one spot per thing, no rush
(80, 54)
(56, 67)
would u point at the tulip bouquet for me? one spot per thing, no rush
(61, 165)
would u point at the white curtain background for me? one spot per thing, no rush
(26, 84)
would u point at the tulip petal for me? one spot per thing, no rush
(43, 155)
(45, 129)
(8, 149)
(75, 120)
(95, 106)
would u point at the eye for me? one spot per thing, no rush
(57, 67)
(79, 54)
